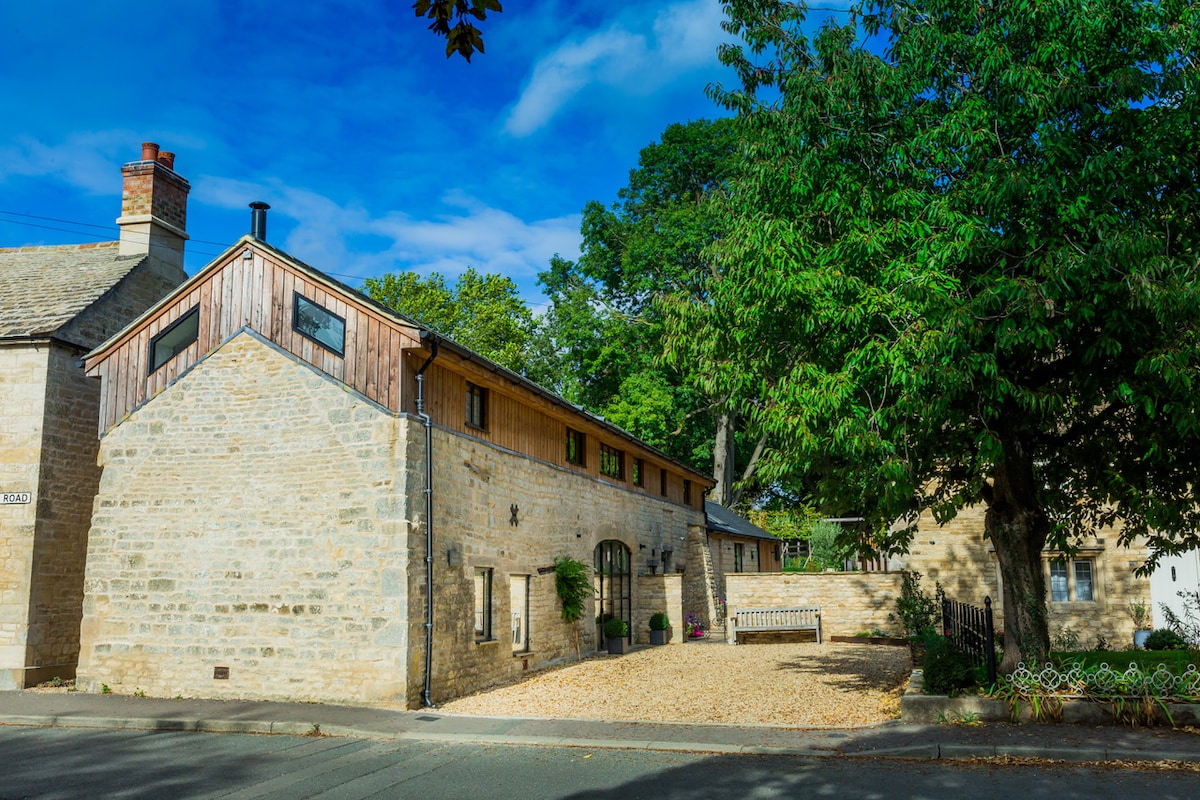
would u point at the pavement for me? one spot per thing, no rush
(1075, 743)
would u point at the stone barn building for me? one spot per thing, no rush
(307, 496)
(56, 304)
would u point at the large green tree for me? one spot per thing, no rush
(961, 268)
(648, 248)
(484, 312)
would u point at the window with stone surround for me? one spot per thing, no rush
(1072, 580)
(483, 604)
(175, 339)
(319, 324)
(518, 590)
(739, 557)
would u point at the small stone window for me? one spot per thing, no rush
(575, 447)
(612, 462)
(1072, 581)
(483, 605)
(175, 339)
(476, 406)
(319, 324)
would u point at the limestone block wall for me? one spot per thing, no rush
(699, 581)
(559, 513)
(69, 478)
(851, 602)
(250, 539)
(659, 593)
(22, 397)
(959, 557)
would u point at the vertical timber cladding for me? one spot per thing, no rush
(256, 292)
(253, 516)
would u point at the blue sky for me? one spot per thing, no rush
(375, 152)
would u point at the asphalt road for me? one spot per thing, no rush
(61, 764)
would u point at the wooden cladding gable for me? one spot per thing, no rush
(256, 293)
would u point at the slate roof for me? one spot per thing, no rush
(44, 288)
(722, 520)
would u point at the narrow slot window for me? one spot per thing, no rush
(319, 324)
(175, 339)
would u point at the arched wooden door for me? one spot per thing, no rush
(614, 585)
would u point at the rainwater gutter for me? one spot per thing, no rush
(425, 418)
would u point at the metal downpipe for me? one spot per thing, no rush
(425, 418)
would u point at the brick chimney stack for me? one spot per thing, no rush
(153, 217)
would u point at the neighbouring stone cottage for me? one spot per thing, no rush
(307, 496)
(56, 304)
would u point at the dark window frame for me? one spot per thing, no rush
(687, 492)
(739, 557)
(662, 480)
(485, 616)
(576, 447)
(296, 299)
(476, 413)
(639, 472)
(612, 462)
(193, 314)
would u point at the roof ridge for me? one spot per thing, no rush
(41, 248)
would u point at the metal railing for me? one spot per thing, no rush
(970, 629)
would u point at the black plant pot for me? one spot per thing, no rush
(658, 637)
(617, 647)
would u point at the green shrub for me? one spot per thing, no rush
(916, 612)
(1164, 639)
(825, 550)
(616, 629)
(947, 669)
(659, 621)
(573, 582)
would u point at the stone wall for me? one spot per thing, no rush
(959, 557)
(22, 396)
(659, 593)
(560, 513)
(851, 602)
(251, 518)
(258, 517)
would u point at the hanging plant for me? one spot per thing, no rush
(573, 582)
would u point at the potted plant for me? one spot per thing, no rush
(694, 627)
(616, 631)
(659, 624)
(1140, 613)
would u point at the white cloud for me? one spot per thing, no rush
(83, 160)
(624, 56)
(351, 243)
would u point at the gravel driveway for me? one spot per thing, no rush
(809, 685)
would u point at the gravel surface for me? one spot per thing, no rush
(808, 685)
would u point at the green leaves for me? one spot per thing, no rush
(462, 37)
(482, 312)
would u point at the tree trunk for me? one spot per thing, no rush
(723, 455)
(1018, 526)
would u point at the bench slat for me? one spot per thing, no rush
(798, 618)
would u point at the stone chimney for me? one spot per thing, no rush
(153, 217)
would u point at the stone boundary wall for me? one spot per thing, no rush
(851, 602)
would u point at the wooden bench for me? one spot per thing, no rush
(753, 620)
